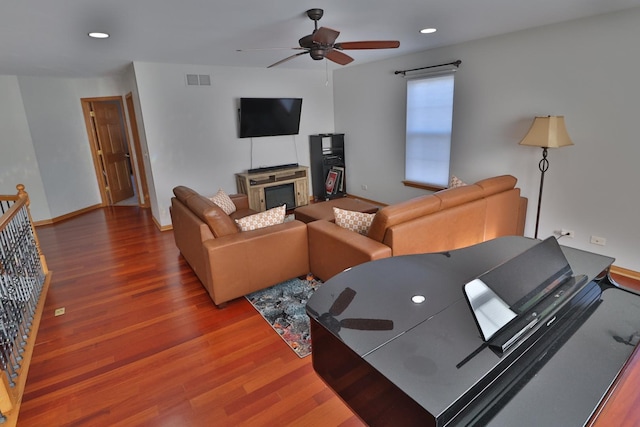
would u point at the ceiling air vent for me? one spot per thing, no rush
(192, 80)
(198, 80)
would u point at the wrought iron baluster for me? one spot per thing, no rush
(23, 275)
(21, 281)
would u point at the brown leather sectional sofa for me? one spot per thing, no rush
(231, 264)
(442, 221)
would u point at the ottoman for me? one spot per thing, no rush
(324, 210)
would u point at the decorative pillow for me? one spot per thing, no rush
(224, 201)
(456, 182)
(354, 221)
(263, 219)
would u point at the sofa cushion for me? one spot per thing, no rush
(182, 193)
(219, 222)
(445, 230)
(401, 212)
(224, 201)
(497, 184)
(241, 201)
(458, 196)
(352, 220)
(267, 218)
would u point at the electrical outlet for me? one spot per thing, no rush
(598, 240)
(59, 311)
(364, 187)
(568, 233)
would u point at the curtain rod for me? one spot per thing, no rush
(403, 72)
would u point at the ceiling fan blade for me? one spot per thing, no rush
(370, 44)
(367, 324)
(342, 302)
(338, 57)
(253, 49)
(287, 58)
(325, 36)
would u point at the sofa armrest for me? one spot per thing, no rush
(522, 216)
(247, 261)
(240, 200)
(332, 249)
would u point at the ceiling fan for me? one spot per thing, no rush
(339, 305)
(322, 44)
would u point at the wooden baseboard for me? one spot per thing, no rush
(89, 209)
(162, 227)
(373, 202)
(66, 216)
(625, 272)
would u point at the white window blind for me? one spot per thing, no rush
(429, 122)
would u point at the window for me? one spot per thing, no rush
(429, 122)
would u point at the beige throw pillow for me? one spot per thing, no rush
(263, 219)
(354, 221)
(456, 182)
(224, 201)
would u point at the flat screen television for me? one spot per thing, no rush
(269, 116)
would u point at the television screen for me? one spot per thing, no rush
(269, 116)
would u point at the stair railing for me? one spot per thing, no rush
(24, 281)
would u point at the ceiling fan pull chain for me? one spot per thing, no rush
(326, 70)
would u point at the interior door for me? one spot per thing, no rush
(114, 154)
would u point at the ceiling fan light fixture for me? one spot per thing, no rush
(317, 53)
(428, 30)
(98, 35)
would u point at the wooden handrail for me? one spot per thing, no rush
(11, 212)
(20, 199)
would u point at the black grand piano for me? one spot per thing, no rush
(510, 332)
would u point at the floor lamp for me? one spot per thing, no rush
(546, 132)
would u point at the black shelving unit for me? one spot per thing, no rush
(326, 152)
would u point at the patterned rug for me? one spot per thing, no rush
(283, 307)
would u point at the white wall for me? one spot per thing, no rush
(191, 131)
(582, 69)
(60, 141)
(18, 163)
(585, 70)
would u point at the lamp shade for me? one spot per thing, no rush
(547, 132)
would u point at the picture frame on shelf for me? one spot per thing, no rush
(339, 187)
(330, 182)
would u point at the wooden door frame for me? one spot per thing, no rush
(93, 144)
(137, 151)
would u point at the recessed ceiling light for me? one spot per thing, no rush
(418, 299)
(428, 30)
(98, 35)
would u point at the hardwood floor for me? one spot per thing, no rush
(626, 282)
(141, 343)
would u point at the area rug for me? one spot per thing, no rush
(283, 307)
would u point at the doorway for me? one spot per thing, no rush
(111, 151)
(138, 153)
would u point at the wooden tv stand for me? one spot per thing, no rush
(254, 185)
